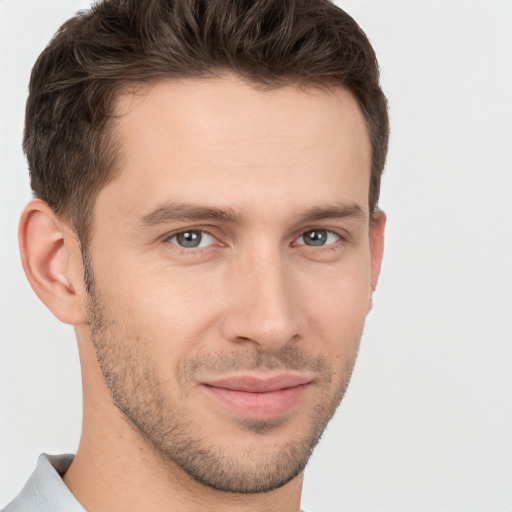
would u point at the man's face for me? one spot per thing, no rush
(232, 267)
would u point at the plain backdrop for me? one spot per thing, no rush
(427, 422)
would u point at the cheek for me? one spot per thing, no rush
(176, 311)
(336, 307)
(172, 312)
(343, 289)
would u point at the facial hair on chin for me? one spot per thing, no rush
(161, 420)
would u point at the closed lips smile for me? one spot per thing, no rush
(254, 397)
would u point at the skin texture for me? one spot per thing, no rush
(259, 177)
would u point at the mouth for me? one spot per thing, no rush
(258, 398)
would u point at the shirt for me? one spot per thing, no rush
(45, 491)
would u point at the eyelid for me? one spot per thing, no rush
(340, 237)
(340, 234)
(168, 238)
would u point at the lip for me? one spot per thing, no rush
(256, 397)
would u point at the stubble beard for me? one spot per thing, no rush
(137, 391)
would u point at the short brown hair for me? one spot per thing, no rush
(269, 43)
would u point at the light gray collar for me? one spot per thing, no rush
(45, 491)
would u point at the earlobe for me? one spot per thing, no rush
(48, 256)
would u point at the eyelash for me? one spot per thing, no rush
(191, 251)
(328, 232)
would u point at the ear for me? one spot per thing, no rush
(51, 258)
(377, 229)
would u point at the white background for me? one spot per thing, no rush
(427, 422)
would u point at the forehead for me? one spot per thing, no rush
(221, 140)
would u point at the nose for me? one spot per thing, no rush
(262, 306)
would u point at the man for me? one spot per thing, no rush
(206, 176)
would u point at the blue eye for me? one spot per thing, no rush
(318, 238)
(192, 239)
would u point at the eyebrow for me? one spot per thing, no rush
(334, 212)
(186, 212)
